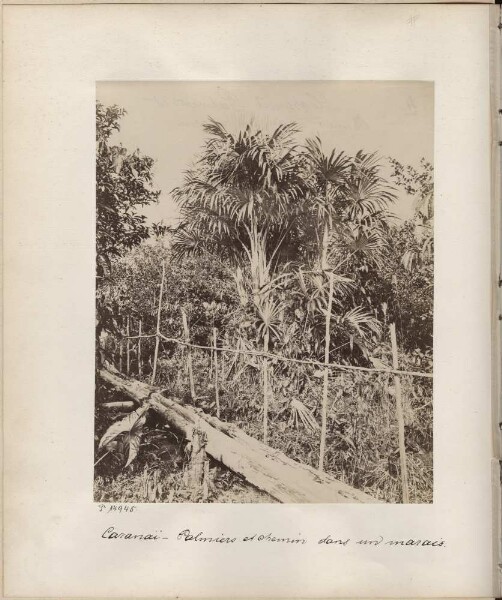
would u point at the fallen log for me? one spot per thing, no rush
(264, 467)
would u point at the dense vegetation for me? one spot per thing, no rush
(285, 249)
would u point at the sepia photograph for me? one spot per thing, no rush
(264, 292)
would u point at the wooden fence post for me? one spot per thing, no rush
(324, 409)
(265, 388)
(140, 367)
(211, 360)
(186, 332)
(222, 361)
(157, 334)
(197, 466)
(128, 347)
(205, 482)
(400, 416)
(216, 383)
(121, 352)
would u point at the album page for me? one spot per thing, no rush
(247, 301)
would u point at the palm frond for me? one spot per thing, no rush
(215, 129)
(301, 414)
(359, 321)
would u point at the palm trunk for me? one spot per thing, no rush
(260, 277)
(327, 341)
(324, 249)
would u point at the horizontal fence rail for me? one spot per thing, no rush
(271, 355)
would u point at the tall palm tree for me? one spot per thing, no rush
(348, 204)
(241, 197)
(241, 200)
(327, 177)
(349, 201)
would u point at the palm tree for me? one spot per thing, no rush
(241, 201)
(260, 202)
(241, 197)
(327, 177)
(349, 202)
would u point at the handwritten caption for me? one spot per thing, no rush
(187, 535)
(264, 538)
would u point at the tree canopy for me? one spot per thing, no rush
(124, 184)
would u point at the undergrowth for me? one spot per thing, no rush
(361, 444)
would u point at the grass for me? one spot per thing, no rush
(362, 436)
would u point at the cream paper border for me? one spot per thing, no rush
(70, 2)
(53, 56)
(496, 116)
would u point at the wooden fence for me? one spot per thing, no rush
(215, 349)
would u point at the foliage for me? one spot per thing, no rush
(240, 198)
(202, 285)
(124, 183)
(417, 183)
(266, 223)
(132, 428)
(268, 206)
(413, 245)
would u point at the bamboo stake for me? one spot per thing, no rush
(265, 388)
(222, 359)
(400, 416)
(128, 347)
(186, 332)
(157, 334)
(324, 410)
(140, 366)
(205, 482)
(216, 385)
(211, 361)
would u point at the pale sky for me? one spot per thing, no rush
(164, 120)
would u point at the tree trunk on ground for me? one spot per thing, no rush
(267, 469)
